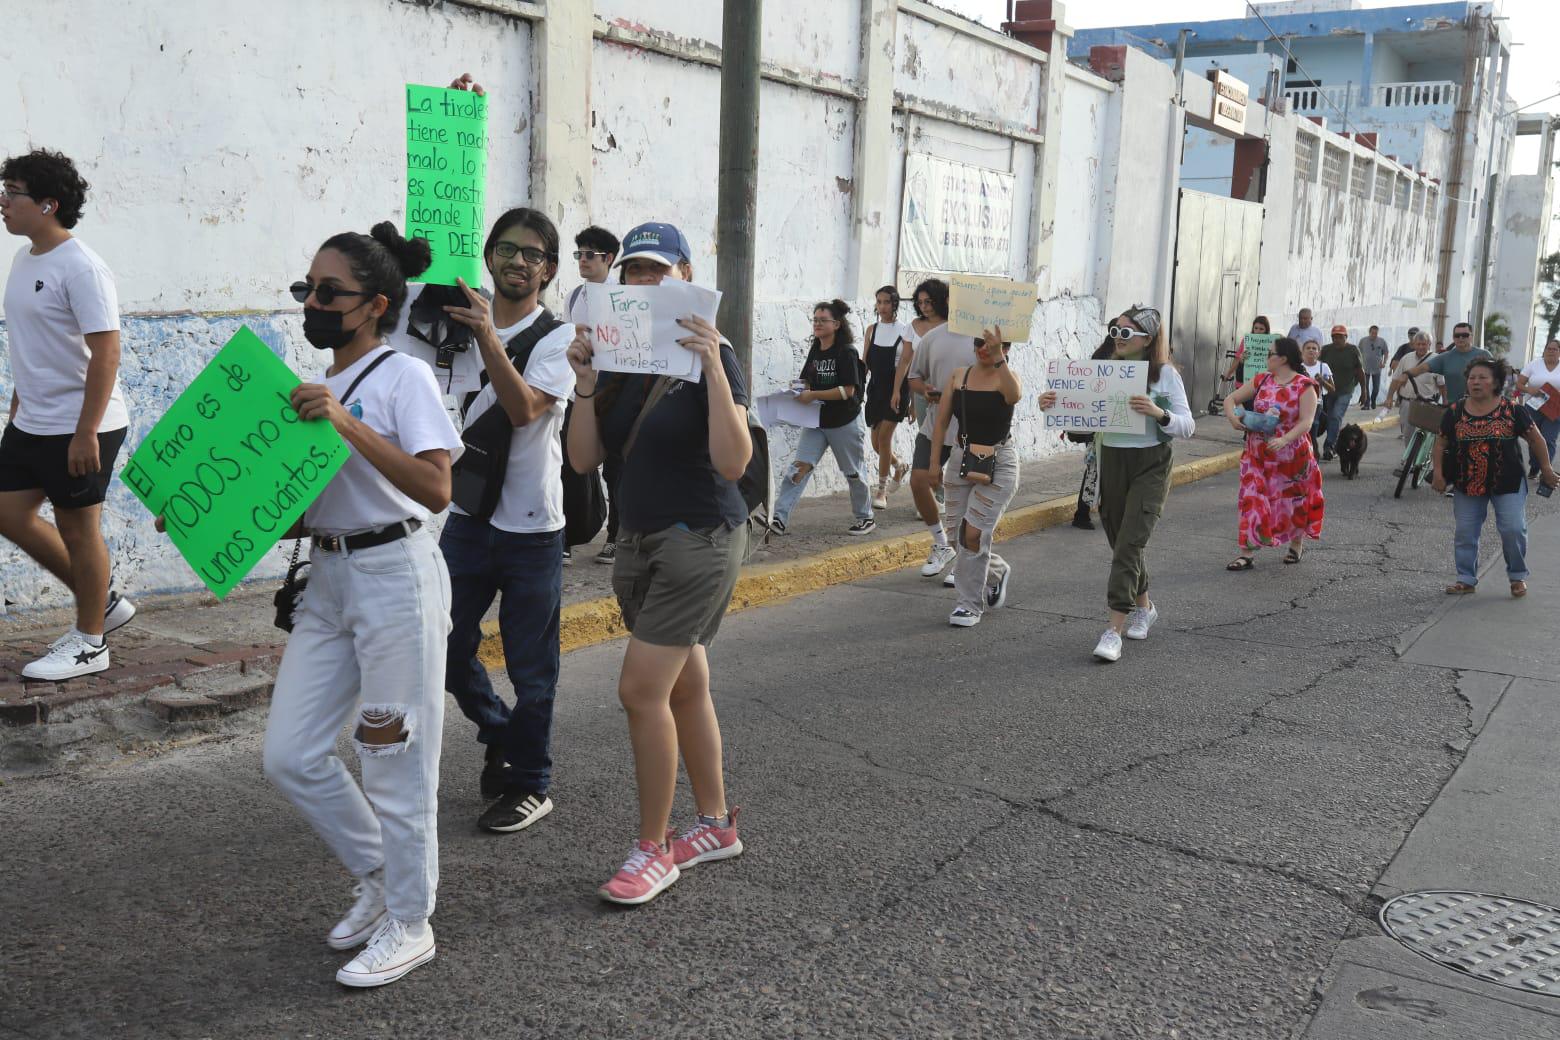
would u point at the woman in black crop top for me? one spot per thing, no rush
(981, 475)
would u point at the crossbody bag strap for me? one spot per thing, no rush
(381, 359)
(657, 391)
(964, 403)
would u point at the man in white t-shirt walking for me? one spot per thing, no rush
(596, 250)
(1303, 331)
(516, 553)
(68, 418)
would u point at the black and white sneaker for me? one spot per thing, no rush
(608, 553)
(866, 526)
(777, 525)
(69, 657)
(118, 614)
(996, 592)
(962, 618)
(514, 812)
(495, 773)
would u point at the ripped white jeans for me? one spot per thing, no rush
(368, 648)
(979, 507)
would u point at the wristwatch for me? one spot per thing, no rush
(1164, 420)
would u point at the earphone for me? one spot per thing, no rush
(47, 208)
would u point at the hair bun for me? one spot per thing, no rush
(841, 306)
(412, 255)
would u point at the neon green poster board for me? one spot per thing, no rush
(230, 466)
(1258, 346)
(446, 175)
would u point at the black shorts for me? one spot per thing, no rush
(922, 459)
(30, 462)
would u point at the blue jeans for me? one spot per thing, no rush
(1549, 429)
(849, 444)
(1334, 407)
(526, 572)
(1510, 522)
(1373, 387)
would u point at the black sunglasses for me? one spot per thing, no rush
(591, 254)
(326, 294)
(1462, 335)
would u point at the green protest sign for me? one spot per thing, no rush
(446, 174)
(230, 467)
(1258, 347)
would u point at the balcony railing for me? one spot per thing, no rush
(1323, 100)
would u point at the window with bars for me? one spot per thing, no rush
(1402, 192)
(1306, 148)
(1334, 164)
(1383, 185)
(1359, 176)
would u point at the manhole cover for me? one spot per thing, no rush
(1511, 942)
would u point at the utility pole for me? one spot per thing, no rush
(736, 220)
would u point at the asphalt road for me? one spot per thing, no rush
(950, 832)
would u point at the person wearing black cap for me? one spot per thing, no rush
(683, 535)
(1135, 475)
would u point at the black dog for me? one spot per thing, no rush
(1351, 449)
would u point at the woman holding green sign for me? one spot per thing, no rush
(1135, 474)
(368, 637)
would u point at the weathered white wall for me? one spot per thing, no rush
(1089, 109)
(1137, 158)
(1524, 226)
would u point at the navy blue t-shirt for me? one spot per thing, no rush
(669, 478)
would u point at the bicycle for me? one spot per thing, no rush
(1415, 467)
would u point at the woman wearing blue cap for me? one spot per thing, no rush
(1135, 474)
(681, 539)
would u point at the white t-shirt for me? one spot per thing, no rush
(885, 333)
(532, 500)
(574, 310)
(454, 383)
(1417, 388)
(1309, 334)
(1320, 370)
(52, 303)
(399, 400)
(1538, 375)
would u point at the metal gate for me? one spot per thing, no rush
(1218, 250)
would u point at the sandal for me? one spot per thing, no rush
(1241, 563)
(1518, 589)
(1461, 588)
(1293, 555)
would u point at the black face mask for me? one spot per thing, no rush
(324, 331)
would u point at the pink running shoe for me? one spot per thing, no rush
(702, 843)
(646, 873)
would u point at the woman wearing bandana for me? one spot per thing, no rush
(1135, 475)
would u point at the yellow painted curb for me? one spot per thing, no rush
(598, 620)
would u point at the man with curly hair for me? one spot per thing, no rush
(68, 419)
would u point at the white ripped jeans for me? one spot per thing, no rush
(368, 646)
(980, 506)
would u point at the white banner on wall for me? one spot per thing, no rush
(957, 218)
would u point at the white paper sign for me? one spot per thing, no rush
(785, 408)
(634, 327)
(1094, 396)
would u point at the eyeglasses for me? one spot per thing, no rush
(819, 319)
(588, 254)
(1462, 335)
(1122, 332)
(529, 254)
(326, 294)
(7, 194)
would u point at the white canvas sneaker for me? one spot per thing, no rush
(1140, 620)
(937, 560)
(395, 949)
(69, 657)
(366, 915)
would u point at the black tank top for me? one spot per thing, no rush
(984, 416)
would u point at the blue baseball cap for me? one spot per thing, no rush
(662, 243)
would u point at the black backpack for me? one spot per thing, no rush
(584, 497)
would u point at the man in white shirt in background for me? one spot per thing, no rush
(596, 250)
(68, 418)
(1303, 331)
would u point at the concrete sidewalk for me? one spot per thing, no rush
(1493, 828)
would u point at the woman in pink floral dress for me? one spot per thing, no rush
(1281, 499)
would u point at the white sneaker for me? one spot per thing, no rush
(396, 949)
(880, 498)
(937, 560)
(366, 915)
(1109, 646)
(1140, 620)
(69, 657)
(962, 618)
(948, 581)
(118, 614)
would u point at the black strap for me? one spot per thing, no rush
(964, 399)
(657, 391)
(344, 398)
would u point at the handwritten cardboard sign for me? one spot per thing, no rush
(1093, 396)
(1258, 347)
(231, 467)
(976, 304)
(446, 175)
(634, 327)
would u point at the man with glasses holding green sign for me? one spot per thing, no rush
(68, 418)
